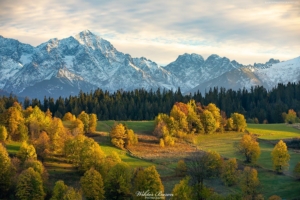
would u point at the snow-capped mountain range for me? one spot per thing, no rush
(86, 62)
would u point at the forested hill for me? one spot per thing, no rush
(266, 106)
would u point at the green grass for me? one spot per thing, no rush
(273, 131)
(272, 184)
(13, 147)
(137, 126)
(223, 143)
(285, 186)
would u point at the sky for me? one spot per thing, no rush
(247, 31)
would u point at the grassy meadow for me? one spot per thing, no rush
(284, 185)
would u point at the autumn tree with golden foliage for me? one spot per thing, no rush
(92, 185)
(229, 174)
(3, 134)
(238, 122)
(5, 171)
(280, 157)
(249, 183)
(118, 182)
(147, 180)
(27, 151)
(249, 147)
(30, 185)
(84, 153)
(182, 190)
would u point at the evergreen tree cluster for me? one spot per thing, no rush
(257, 104)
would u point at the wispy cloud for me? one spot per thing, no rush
(247, 31)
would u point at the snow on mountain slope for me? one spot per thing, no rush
(13, 56)
(284, 72)
(87, 61)
(267, 75)
(90, 59)
(194, 70)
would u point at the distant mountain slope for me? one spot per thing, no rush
(268, 75)
(87, 61)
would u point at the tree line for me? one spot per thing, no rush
(43, 137)
(257, 104)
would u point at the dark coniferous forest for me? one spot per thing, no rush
(265, 106)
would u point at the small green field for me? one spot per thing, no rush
(273, 131)
(286, 185)
(145, 127)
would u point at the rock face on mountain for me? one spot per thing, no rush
(86, 62)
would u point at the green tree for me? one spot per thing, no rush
(229, 172)
(147, 180)
(249, 148)
(296, 170)
(239, 122)
(280, 157)
(5, 172)
(30, 185)
(208, 121)
(72, 194)
(63, 192)
(59, 190)
(203, 165)
(182, 190)
(181, 168)
(26, 151)
(3, 134)
(249, 183)
(118, 182)
(92, 185)
(38, 167)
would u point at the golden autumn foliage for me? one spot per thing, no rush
(148, 180)
(30, 185)
(92, 185)
(249, 147)
(280, 157)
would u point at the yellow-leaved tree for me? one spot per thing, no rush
(249, 148)
(249, 183)
(147, 180)
(5, 172)
(30, 185)
(182, 190)
(92, 185)
(280, 157)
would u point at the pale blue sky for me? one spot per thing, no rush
(244, 30)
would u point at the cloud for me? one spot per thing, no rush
(247, 31)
